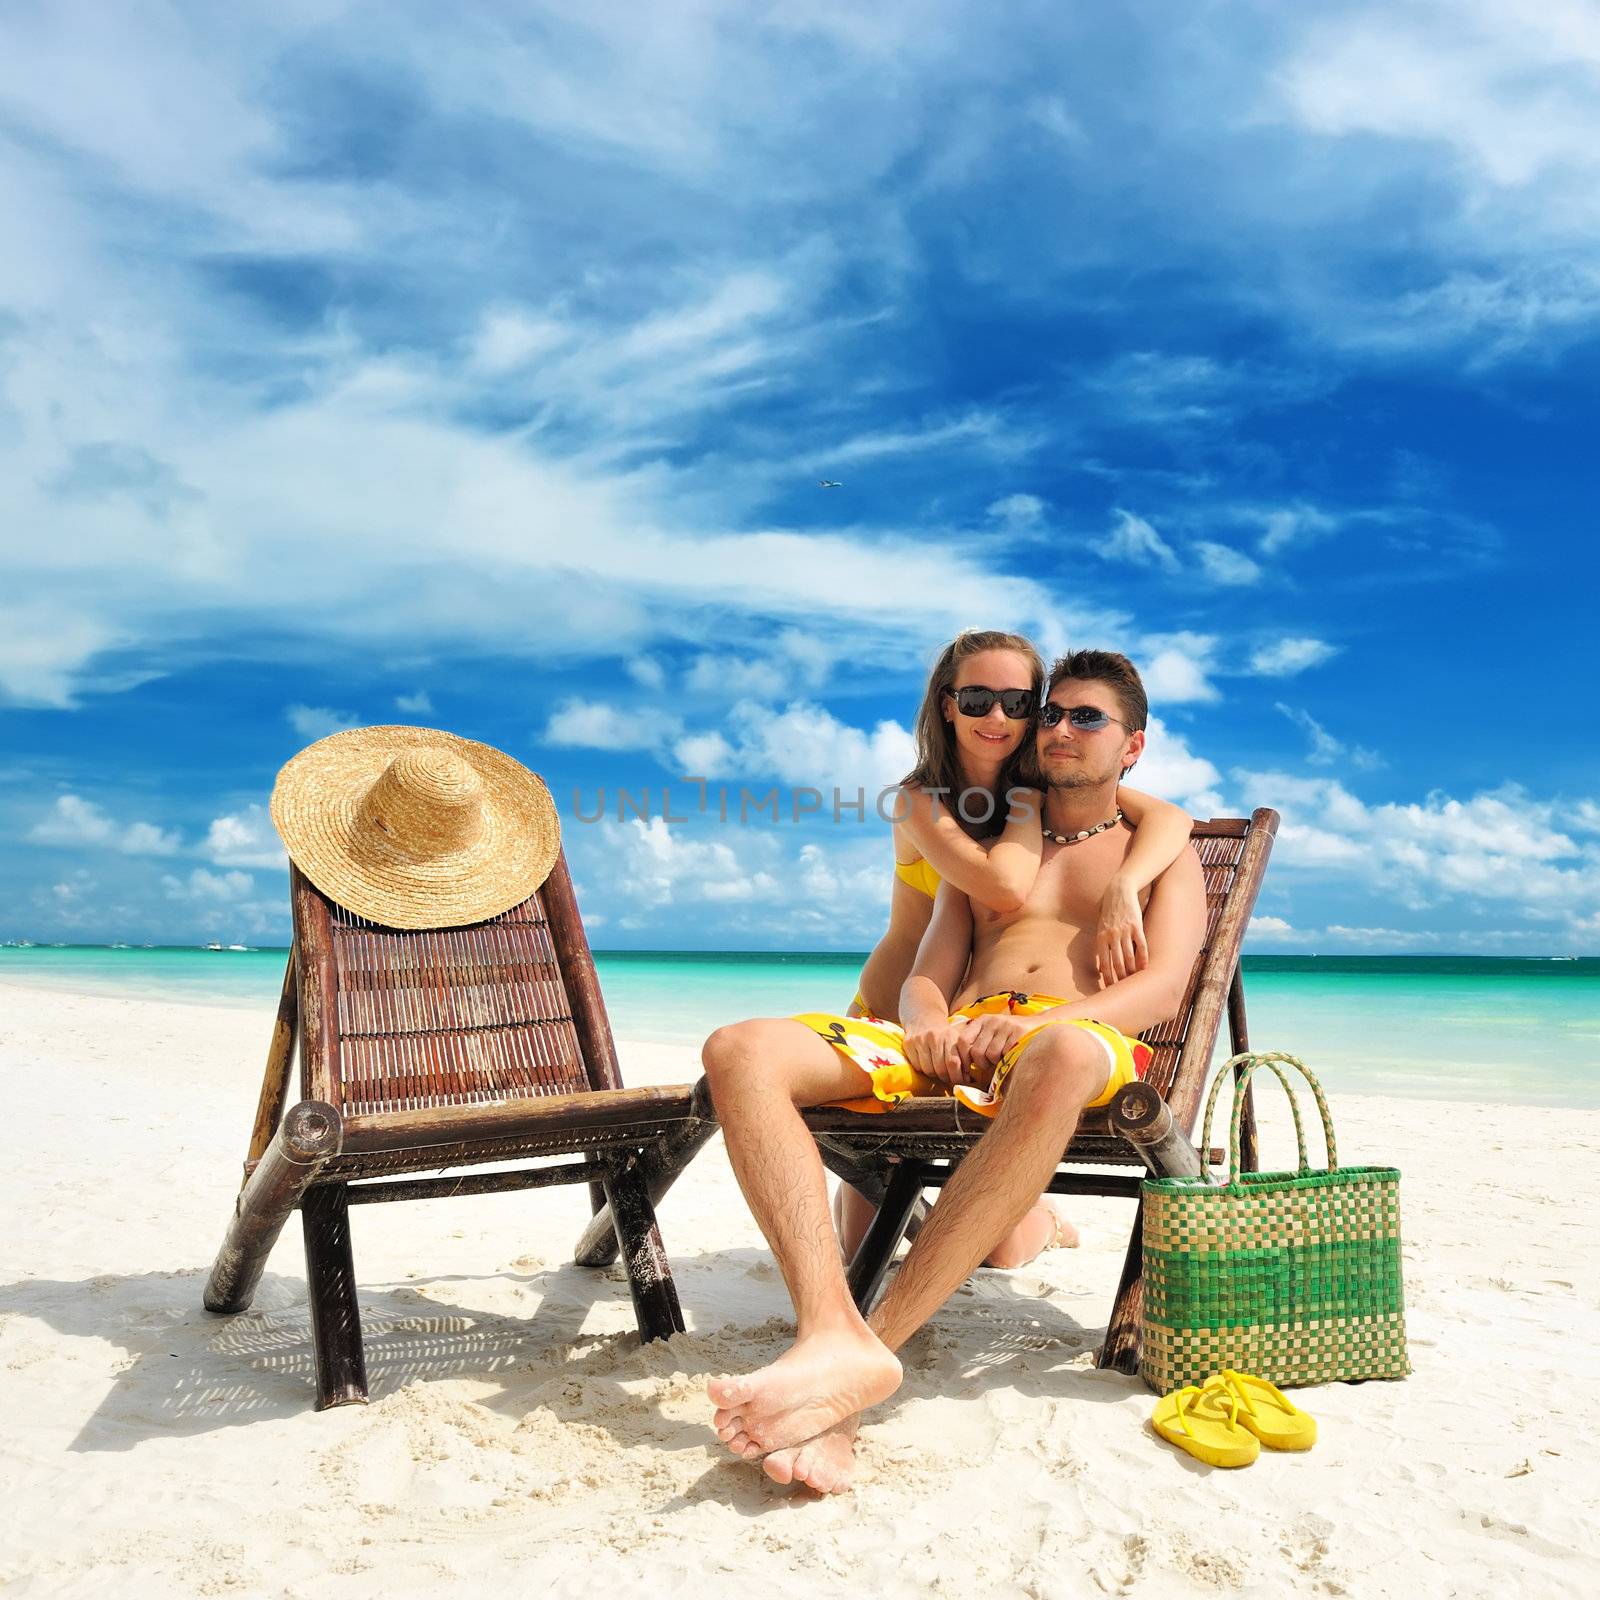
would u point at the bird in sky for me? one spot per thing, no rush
(829, 483)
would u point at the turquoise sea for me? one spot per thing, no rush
(1464, 1028)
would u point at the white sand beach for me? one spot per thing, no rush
(519, 1440)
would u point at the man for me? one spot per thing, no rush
(1002, 1009)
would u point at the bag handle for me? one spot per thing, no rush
(1247, 1063)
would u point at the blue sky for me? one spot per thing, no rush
(363, 364)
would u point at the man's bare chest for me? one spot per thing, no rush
(1072, 882)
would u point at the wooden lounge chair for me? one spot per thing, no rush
(441, 1049)
(917, 1145)
(894, 1157)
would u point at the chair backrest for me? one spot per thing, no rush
(1233, 855)
(400, 1020)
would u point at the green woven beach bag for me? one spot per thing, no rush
(1294, 1276)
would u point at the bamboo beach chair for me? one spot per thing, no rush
(893, 1157)
(441, 1049)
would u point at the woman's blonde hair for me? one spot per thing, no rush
(938, 759)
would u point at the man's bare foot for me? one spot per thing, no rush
(826, 1463)
(818, 1381)
(1044, 1228)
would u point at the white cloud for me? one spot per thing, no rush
(203, 885)
(1325, 750)
(1188, 392)
(1168, 768)
(705, 755)
(843, 877)
(146, 839)
(1275, 930)
(805, 745)
(1498, 846)
(244, 839)
(808, 655)
(797, 660)
(734, 675)
(1508, 98)
(1017, 513)
(317, 722)
(473, 526)
(594, 725)
(509, 338)
(1489, 113)
(985, 431)
(663, 867)
(45, 647)
(1224, 565)
(646, 671)
(1132, 539)
(812, 893)
(76, 821)
(1285, 657)
(1176, 674)
(1284, 526)
(419, 704)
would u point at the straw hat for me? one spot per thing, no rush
(416, 828)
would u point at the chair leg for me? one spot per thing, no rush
(1239, 1037)
(335, 1317)
(655, 1299)
(660, 1164)
(310, 1136)
(1121, 1349)
(1249, 1142)
(280, 1059)
(870, 1264)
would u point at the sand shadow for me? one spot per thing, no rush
(180, 1370)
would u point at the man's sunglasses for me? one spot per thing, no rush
(1085, 719)
(973, 701)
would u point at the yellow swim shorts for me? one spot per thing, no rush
(878, 1048)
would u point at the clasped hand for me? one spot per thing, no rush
(966, 1050)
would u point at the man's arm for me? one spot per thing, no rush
(1175, 925)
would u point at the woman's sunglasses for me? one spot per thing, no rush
(1085, 719)
(975, 701)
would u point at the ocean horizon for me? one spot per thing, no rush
(1517, 1029)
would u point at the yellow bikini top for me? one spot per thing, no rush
(920, 874)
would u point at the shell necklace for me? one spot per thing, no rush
(1088, 833)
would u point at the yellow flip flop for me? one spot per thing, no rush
(1264, 1409)
(1206, 1425)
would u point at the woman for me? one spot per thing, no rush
(967, 743)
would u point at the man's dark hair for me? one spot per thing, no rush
(1118, 673)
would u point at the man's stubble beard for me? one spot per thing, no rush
(1080, 777)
